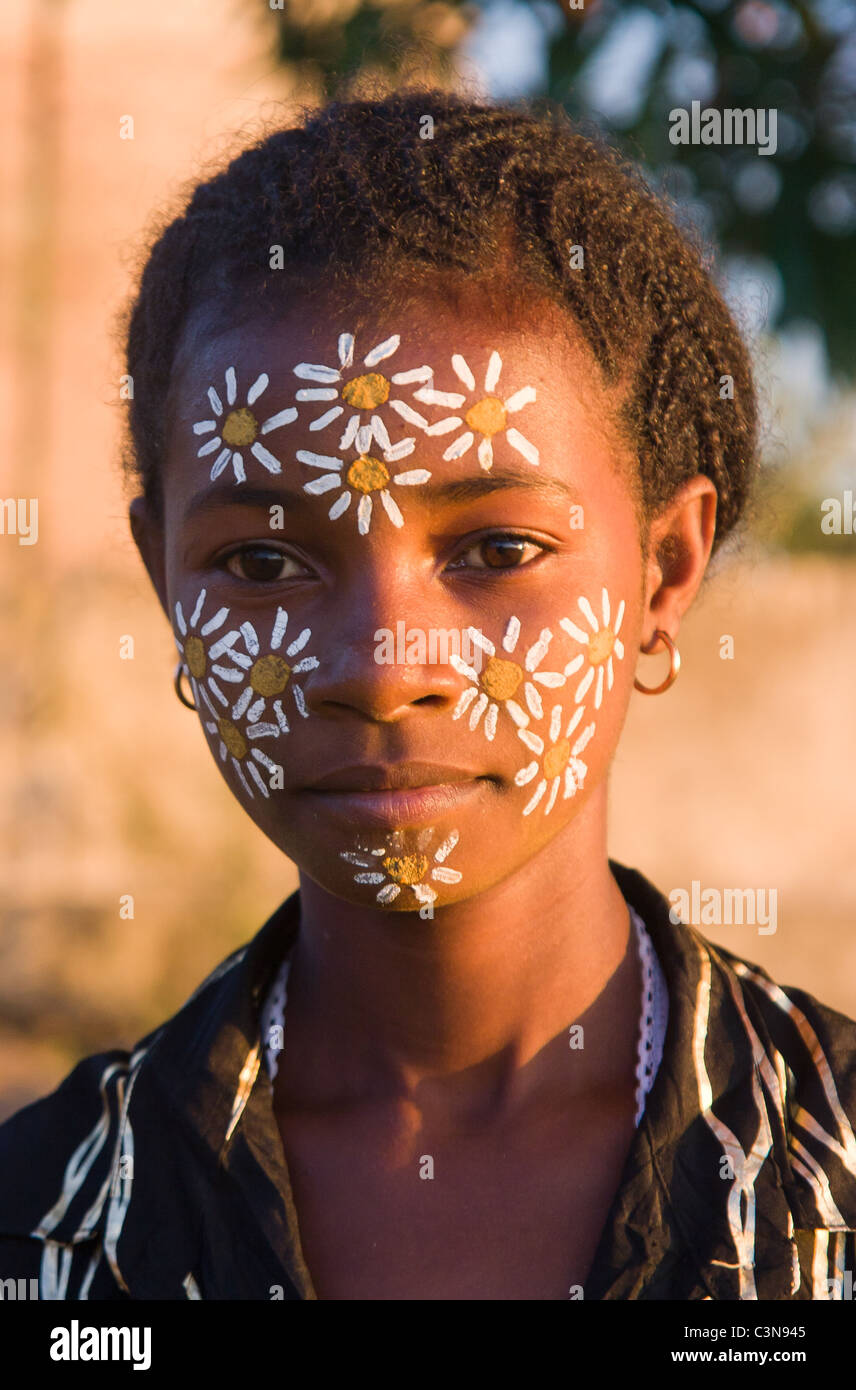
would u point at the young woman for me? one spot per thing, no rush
(430, 441)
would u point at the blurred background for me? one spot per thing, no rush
(741, 776)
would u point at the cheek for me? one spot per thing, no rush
(549, 702)
(554, 690)
(545, 703)
(246, 679)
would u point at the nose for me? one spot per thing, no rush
(385, 674)
(383, 659)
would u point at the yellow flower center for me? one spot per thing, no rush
(366, 392)
(194, 655)
(368, 474)
(233, 738)
(487, 416)
(407, 868)
(501, 678)
(556, 758)
(269, 675)
(601, 645)
(240, 427)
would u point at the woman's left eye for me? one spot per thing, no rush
(499, 553)
(262, 564)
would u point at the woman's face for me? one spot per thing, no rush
(411, 597)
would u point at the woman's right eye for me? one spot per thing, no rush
(263, 564)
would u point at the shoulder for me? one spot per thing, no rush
(65, 1160)
(56, 1157)
(816, 1043)
(768, 1068)
(804, 1062)
(812, 1050)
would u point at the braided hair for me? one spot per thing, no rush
(358, 198)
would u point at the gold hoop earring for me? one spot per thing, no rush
(674, 663)
(178, 690)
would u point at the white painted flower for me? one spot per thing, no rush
(391, 869)
(601, 643)
(199, 659)
(486, 417)
(265, 675)
(240, 428)
(501, 679)
(365, 476)
(560, 765)
(234, 744)
(268, 676)
(365, 393)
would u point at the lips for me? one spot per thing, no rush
(397, 777)
(404, 794)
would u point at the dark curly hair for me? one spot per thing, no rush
(357, 196)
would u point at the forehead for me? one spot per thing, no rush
(538, 340)
(329, 365)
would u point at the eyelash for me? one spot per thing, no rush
(494, 536)
(514, 536)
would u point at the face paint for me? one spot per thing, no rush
(234, 744)
(558, 762)
(501, 680)
(239, 428)
(363, 392)
(366, 475)
(601, 643)
(199, 659)
(264, 677)
(396, 866)
(487, 415)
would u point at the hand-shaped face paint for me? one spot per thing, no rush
(240, 429)
(559, 764)
(393, 867)
(263, 674)
(487, 416)
(601, 643)
(496, 686)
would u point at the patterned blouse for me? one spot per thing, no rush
(160, 1174)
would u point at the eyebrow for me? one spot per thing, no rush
(452, 490)
(216, 499)
(468, 489)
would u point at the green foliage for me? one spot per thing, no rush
(334, 42)
(796, 206)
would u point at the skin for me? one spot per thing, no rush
(446, 1037)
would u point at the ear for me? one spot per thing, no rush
(148, 535)
(680, 539)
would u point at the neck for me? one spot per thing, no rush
(477, 1002)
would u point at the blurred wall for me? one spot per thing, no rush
(740, 776)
